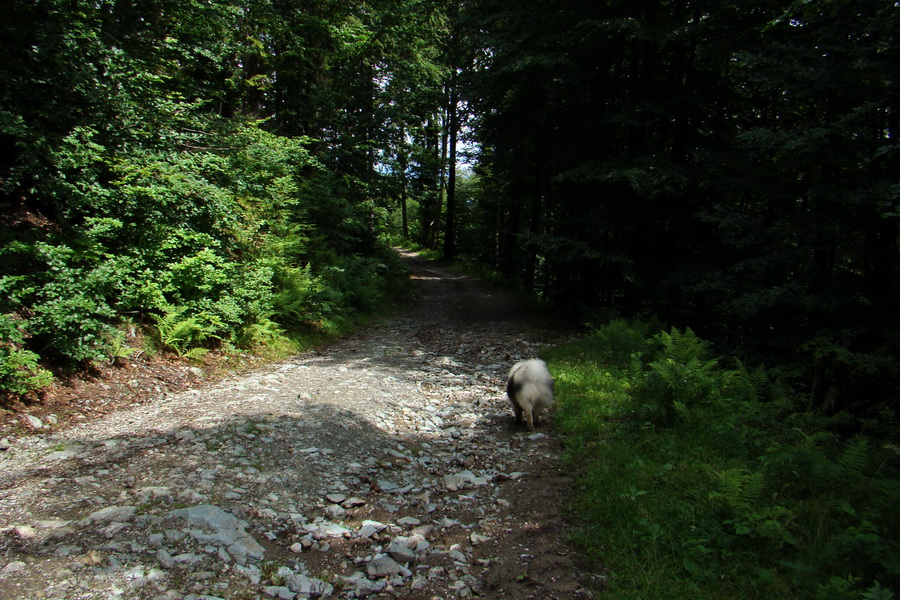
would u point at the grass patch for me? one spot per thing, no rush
(702, 479)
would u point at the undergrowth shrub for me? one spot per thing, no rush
(702, 478)
(70, 314)
(19, 369)
(208, 233)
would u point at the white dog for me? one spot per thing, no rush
(530, 389)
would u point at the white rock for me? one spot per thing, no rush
(33, 421)
(477, 538)
(110, 514)
(329, 530)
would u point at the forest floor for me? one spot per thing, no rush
(385, 465)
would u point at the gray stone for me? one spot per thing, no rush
(367, 587)
(228, 531)
(329, 530)
(387, 486)
(13, 567)
(279, 591)
(457, 481)
(186, 558)
(353, 502)
(400, 552)
(385, 566)
(164, 558)
(370, 528)
(309, 586)
(24, 532)
(110, 514)
(207, 515)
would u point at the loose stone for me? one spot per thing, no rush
(385, 566)
(13, 567)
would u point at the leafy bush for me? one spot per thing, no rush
(71, 317)
(208, 231)
(19, 369)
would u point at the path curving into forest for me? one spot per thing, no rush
(385, 465)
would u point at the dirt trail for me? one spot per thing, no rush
(386, 465)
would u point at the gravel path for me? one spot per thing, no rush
(386, 465)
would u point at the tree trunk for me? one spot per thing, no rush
(450, 222)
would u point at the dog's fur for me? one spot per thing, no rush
(530, 389)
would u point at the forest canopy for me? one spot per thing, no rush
(229, 172)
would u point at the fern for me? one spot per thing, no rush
(743, 384)
(682, 347)
(877, 592)
(853, 461)
(740, 490)
(118, 349)
(181, 334)
(263, 332)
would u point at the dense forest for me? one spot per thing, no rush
(729, 167)
(226, 174)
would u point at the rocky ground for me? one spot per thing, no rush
(383, 466)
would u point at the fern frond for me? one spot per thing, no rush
(180, 333)
(195, 353)
(741, 489)
(853, 461)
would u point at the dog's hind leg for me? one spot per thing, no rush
(517, 410)
(529, 420)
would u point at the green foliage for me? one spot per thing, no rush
(619, 342)
(184, 334)
(679, 379)
(19, 370)
(70, 314)
(743, 494)
(734, 169)
(205, 171)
